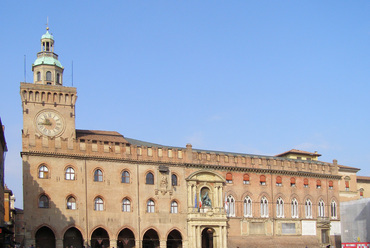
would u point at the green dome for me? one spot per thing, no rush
(47, 61)
(47, 35)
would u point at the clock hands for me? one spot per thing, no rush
(46, 122)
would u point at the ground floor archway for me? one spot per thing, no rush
(45, 238)
(150, 239)
(207, 238)
(174, 239)
(100, 239)
(126, 239)
(73, 238)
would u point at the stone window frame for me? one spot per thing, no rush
(174, 207)
(150, 205)
(99, 203)
(149, 180)
(321, 208)
(295, 208)
(43, 201)
(333, 209)
(174, 179)
(230, 200)
(70, 175)
(97, 176)
(248, 206)
(126, 205)
(43, 171)
(125, 176)
(280, 208)
(70, 204)
(308, 208)
(264, 204)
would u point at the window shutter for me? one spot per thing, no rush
(263, 178)
(279, 180)
(246, 177)
(347, 184)
(292, 180)
(305, 181)
(229, 177)
(318, 183)
(330, 183)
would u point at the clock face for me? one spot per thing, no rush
(49, 123)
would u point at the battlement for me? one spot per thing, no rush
(120, 148)
(48, 94)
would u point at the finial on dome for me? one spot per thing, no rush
(47, 23)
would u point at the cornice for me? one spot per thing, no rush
(187, 165)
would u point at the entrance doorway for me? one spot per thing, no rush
(174, 239)
(207, 238)
(100, 238)
(151, 239)
(73, 238)
(45, 238)
(126, 239)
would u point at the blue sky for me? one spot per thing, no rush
(257, 77)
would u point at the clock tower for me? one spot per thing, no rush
(48, 106)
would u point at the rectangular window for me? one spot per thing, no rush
(160, 152)
(179, 154)
(288, 228)
(170, 153)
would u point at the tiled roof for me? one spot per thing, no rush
(343, 167)
(295, 151)
(109, 136)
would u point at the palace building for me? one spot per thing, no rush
(102, 189)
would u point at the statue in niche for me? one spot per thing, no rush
(206, 201)
(164, 182)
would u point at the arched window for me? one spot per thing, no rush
(246, 179)
(279, 181)
(48, 76)
(247, 207)
(318, 184)
(305, 183)
(173, 207)
(126, 205)
(229, 178)
(98, 175)
(38, 76)
(280, 208)
(43, 172)
(71, 203)
(231, 206)
(264, 207)
(333, 208)
(321, 208)
(150, 206)
(263, 180)
(98, 204)
(149, 178)
(347, 185)
(43, 201)
(308, 209)
(294, 208)
(125, 177)
(58, 78)
(292, 182)
(174, 180)
(70, 173)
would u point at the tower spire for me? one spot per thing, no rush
(47, 69)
